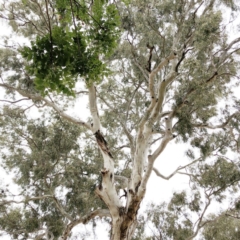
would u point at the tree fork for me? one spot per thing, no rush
(123, 226)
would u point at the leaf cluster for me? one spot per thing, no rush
(74, 48)
(220, 175)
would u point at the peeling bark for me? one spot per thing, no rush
(102, 143)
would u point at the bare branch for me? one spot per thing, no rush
(42, 14)
(106, 191)
(202, 125)
(165, 177)
(27, 199)
(237, 40)
(82, 92)
(168, 136)
(48, 103)
(128, 134)
(176, 171)
(61, 209)
(12, 102)
(49, 22)
(141, 69)
(161, 91)
(200, 220)
(130, 102)
(85, 219)
(156, 103)
(151, 158)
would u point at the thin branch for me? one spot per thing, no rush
(135, 61)
(202, 125)
(85, 219)
(128, 134)
(23, 99)
(176, 171)
(48, 103)
(61, 209)
(199, 221)
(130, 102)
(82, 92)
(28, 107)
(232, 43)
(27, 199)
(140, 68)
(168, 136)
(49, 22)
(42, 14)
(165, 177)
(157, 132)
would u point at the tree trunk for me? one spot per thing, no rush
(123, 226)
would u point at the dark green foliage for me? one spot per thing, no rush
(60, 57)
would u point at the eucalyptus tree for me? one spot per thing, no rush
(154, 72)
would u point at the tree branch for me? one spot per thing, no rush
(12, 102)
(199, 221)
(27, 199)
(42, 14)
(96, 126)
(128, 134)
(232, 43)
(162, 64)
(176, 171)
(202, 125)
(107, 190)
(161, 91)
(154, 108)
(48, 103)
(168, 136)
(140, 68)
(85, 219)
(61, 209)
(151, 158)
(132, 97)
